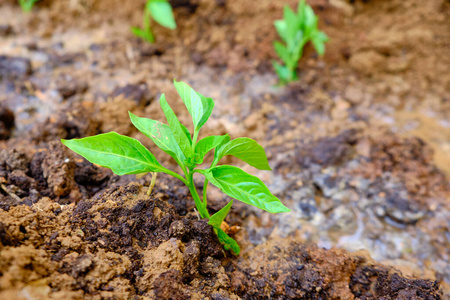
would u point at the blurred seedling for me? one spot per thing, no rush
(125, 155)
(296, 29)
(161, 12)
(27, 5)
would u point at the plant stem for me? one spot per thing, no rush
(198, 202)
(176, 175)
(147, 25)
(194, 140)
(152, 183)
(205, 187)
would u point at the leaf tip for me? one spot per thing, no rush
(284, 209)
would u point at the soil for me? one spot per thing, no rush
(359, 146)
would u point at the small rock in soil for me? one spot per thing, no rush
(137, 92)
(69, 86)
(390, 286)
(12, 159)
(403, 210)
(19, 178)
(75, 122)
(90, 176)
(14, 67)
(5, 30)
(191, 258)
(330, 151)
(368, 62)
(58, 168)
(169, 285)
(210, 266)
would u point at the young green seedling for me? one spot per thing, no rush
(296, 29)
(124, 155)
(27, 5)
(161, 12)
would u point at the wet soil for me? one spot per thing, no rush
(360, 149)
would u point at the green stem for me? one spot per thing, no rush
(176, 175)
(198, 202)
(194, 140)
(147, 25)
(185, 171)
(205, 187)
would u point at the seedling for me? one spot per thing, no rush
(125, 155)
(161, 12)
(296, 29)
(27, 5)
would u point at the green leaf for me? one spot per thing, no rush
(292, 24)
(121, 154)
(318, 41)
(281, 27)
(247, 150)
(199, 106)
(192, 101)
(217, 219)
(282, 52)
(244, 187)
(27, 5)
(208, 106)
(301, 9)
(320, 35)
(310, 19)
(161, 135)
(179, 131)
(227, 242)
(208, 143)
(216, 153)
(319, 46)
(225, 140)
(187, 133)
(143, 34)
(282, 71)
(138, 32)
(297, 51)
(162, 13)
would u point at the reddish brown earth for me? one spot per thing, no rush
(364, 136)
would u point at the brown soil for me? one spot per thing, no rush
(125, 244)
(365, 131)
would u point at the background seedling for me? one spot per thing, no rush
(125, 155)
(296, 29)
(27, 5)
(161, 12)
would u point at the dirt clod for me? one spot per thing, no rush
(14, 67)
(6, 122)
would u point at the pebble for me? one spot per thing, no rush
(14, 67)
